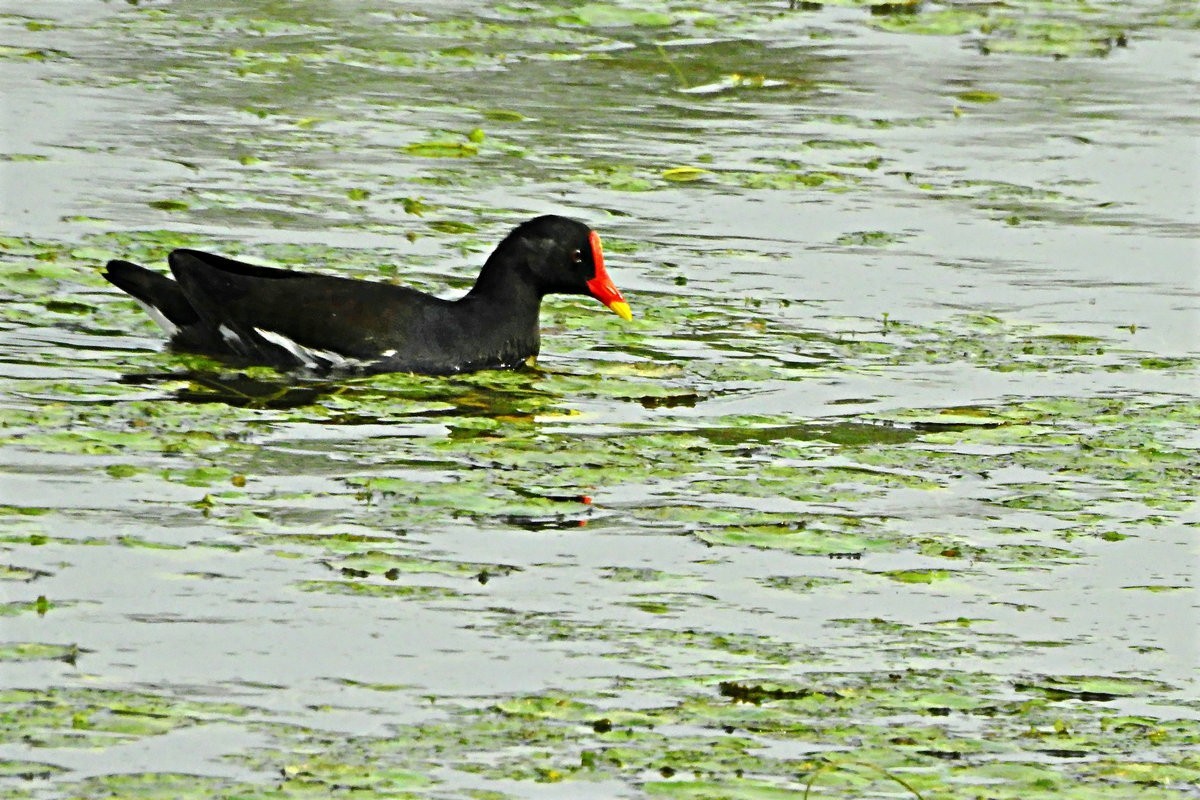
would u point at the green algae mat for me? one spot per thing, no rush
(886, 492)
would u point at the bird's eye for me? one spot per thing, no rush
(576, 256)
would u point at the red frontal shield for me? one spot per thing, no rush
(601, 285)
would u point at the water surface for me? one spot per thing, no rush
(887, 490)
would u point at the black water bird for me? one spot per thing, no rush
(290, 319)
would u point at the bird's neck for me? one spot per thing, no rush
(502, 308)
(507, 278)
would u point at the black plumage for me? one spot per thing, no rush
(295, 319)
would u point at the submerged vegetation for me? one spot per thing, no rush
(884, 493)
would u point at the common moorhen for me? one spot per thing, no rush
(294, 319)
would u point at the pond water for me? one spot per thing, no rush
(887, 490)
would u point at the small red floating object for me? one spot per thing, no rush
(586, 499)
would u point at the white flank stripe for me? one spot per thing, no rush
(231, 338)
(309, 356)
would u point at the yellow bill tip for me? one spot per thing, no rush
(621, 309)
